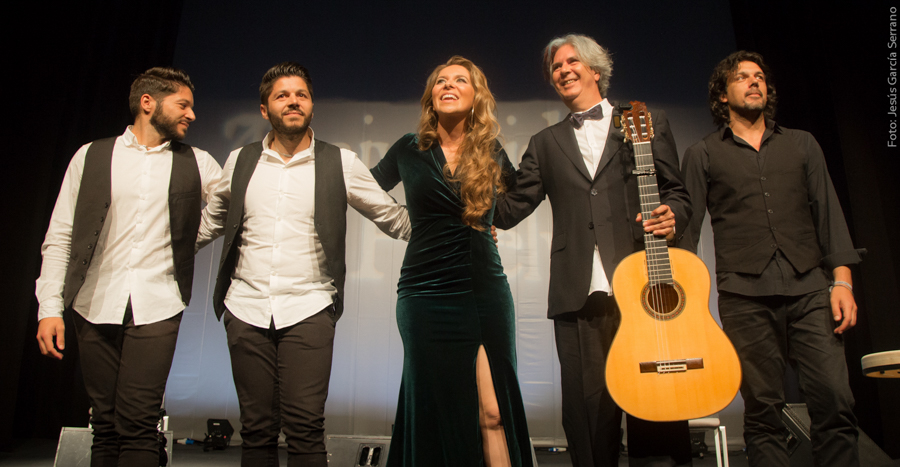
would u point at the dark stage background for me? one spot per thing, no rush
(72, 66)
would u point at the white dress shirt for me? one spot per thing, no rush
(281, 275)
(133, 256)
(591, 139)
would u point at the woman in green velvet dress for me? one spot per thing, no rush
(459, 403)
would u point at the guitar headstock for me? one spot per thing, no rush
(638, 123)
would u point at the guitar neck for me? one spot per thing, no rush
(659, 269)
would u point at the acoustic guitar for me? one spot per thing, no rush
(669, 360)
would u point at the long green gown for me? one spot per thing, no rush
(452, 298)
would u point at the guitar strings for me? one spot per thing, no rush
(652, 295)
(658, 299)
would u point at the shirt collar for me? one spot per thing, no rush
(308, 152)
(131, 141)
(771, 127)
(607, 108)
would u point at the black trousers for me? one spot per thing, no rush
(125, 370)
(767, 332)
(281, 377)
(591, 419)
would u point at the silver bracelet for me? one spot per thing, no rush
(842, 284)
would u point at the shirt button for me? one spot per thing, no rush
(591, 225)
(766, 193)
(762, 178)
(774, 229)
(773, 245)
(84, 261)
(593, 192)
(771, 211)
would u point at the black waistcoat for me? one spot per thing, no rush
(94, 197)
(756, 211)
(330, 210)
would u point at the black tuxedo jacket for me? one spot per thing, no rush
(590, 210)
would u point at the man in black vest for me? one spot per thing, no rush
(120, 252)
(782, 250)
(281, 207)
(584, 167)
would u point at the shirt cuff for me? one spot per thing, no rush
(51, 309)
(843, 258)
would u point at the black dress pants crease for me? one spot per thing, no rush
(591, 419)
(281, 377)
(125, 370)
(769, 332)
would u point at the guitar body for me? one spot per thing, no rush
(652, 370)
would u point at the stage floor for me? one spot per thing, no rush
(41, 452)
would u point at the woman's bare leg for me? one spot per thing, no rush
(493, 436)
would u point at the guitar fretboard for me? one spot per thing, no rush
(659, 270)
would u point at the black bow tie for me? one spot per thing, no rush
(596, 113)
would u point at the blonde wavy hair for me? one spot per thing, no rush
(478, 173)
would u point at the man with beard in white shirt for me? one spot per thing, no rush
(119, 251)
(281, 206)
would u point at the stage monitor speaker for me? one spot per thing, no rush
(74, 448)
(796, 419)
(357, 451)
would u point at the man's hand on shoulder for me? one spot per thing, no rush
(662, 222)
(48, 329)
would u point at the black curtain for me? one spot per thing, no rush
(68, 76)
(831, 68)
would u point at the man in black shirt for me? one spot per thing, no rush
(782, 250)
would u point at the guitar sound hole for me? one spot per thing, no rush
(663, 301)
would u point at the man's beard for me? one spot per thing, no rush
(757, 106)
(751, 110)
(289, 131)
(165, 126)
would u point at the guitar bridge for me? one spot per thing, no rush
(671, 366)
